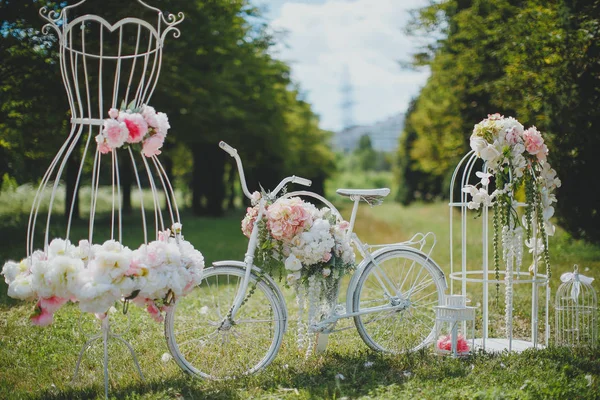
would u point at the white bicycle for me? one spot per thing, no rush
(233, 322)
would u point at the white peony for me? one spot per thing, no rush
(12, 269)
(60, 247)
(62, 275)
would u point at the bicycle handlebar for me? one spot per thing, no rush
(233, 153)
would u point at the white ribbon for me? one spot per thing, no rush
(576, 278)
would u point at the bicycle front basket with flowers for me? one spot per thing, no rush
(307, 246)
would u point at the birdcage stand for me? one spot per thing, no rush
(105, 335)
(511, 279)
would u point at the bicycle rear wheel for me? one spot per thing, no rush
(205, 343)
(401, 287)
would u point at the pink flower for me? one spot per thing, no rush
(249, 219)
(101, 316)
(287, 218)
(52, 304)
(512, 136)
(115, 133)
(344, 225)
(445, 343)
(149, 114)
(495, 117)
(41, 316)
(154, 311)
(152, 145)
(134, 268)
(542, 154)
(103, 147)
(113, 113)
(326, 257)
(533, 140)
(136, 125)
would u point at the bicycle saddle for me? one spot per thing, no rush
(371, 196)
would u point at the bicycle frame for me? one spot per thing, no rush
(399, 300)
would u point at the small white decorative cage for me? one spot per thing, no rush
(576, 310)
(455, 327)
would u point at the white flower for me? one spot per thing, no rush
(478, 144)
(292, 263)
(255, 198)
(485, 177)
(293, 278)
(162, 124)
(176, 227)
(509, 123)
(22, 288)
(12, 269)
(60, 247)
(326, 272)
(489, 153)
(62, 275)
(166, 357)
(149, 114)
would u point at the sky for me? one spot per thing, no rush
(365, 37)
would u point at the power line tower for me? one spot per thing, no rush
(347, 102)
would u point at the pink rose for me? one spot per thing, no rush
(113, 113)
(136, 125)
(326, 257)
(533, 140)
(152, 145)
(115, 133)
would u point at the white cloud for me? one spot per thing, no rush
(364, 35)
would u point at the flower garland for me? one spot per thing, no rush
(134, 126)
(97, 276)
(517, 159)
(310, 247)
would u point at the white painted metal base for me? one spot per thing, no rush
(494, 345)
(104, 336)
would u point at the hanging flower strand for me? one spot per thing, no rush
(136, 127)
(516, 158)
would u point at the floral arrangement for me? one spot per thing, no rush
(134, 126)
(445, 343)
(310, 246)
(97, 276)
(517, 159)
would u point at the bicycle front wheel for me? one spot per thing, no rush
(397, 293)
(206, 343)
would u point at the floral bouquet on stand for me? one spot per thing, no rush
(98, 276)
(310, 248)
(516, 159)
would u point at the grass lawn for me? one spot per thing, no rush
(39, 362)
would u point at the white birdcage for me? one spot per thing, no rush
(455, 327)
(576, 310)
(475, 279)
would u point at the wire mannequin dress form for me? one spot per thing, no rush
(104, 65)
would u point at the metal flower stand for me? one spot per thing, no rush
(511, 278)
(105, 335)
(110, 71)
